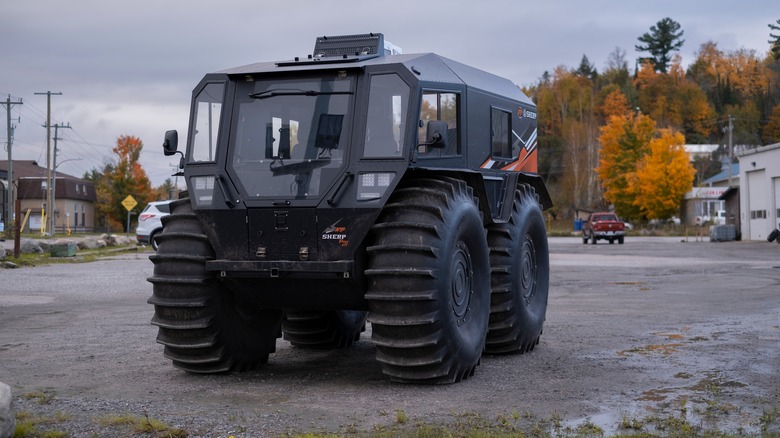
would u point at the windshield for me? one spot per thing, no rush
(288, 136)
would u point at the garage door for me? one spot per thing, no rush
(758, 205)
(776, 207)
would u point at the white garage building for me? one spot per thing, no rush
(759, 176)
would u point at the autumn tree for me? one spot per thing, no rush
(615, 104)
(663, 39)
(624, 142)
(119, 179)
(771, 131)
(662, 177)
(568, 124)
(675, 102)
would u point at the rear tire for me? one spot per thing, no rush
(520, 277)
(429, 282)
(592, 238)
(620, 240)
(204, 327)
(323, 329)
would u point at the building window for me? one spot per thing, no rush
(758, 214)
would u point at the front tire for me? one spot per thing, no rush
(429, 282)
(205, 327)
(520, 277)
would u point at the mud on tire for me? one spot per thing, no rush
(204, 327)
(428, 282)
(520, 276)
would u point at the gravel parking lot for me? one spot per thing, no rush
(656, 326)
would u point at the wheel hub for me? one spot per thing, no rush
(528, 270)
(461, 282)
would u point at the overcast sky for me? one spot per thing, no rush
(128, 68)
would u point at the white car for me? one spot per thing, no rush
(149, 224)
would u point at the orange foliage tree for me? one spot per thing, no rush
(675, 102)
(624, 141)
(119, 179)
(662, 177)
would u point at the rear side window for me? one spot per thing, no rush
(165, 208)
(501, 132)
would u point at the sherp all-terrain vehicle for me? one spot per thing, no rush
(351, 186)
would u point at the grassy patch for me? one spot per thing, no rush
(40, 397)
(82, 256)
(141, 425)
(33, 426)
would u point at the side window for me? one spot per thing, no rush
(501, 131)
(208, 108)
(441, 107)
(387, 103)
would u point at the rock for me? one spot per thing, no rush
(10, 265)
(91, 243)
(109, 239)
(2, 253)
(29, 246)
(7, 417)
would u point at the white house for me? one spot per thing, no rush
(759, 176)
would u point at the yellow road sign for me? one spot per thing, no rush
(129, 203)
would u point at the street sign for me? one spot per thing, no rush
(129, 203)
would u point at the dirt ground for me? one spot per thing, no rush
(653, 327)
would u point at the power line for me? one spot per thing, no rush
(9, 204)
(49, 205)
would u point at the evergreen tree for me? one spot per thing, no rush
(774, 41)
(586, 69)
(663, 38)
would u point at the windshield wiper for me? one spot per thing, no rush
(282, 92)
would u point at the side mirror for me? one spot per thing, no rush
(171, 143)
(436, 134)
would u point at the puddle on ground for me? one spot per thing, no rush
(642, 285)
(664, 349)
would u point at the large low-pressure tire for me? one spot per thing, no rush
(204, 327)
(429, 282)
(520, 277)
(323, 329)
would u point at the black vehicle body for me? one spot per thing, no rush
(290, 224)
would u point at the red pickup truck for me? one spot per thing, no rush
(603, 225)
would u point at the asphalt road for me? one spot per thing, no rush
(656, 326)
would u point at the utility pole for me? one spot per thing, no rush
(731, 146)
(48, 157)
(9, 196)
(54, 167)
